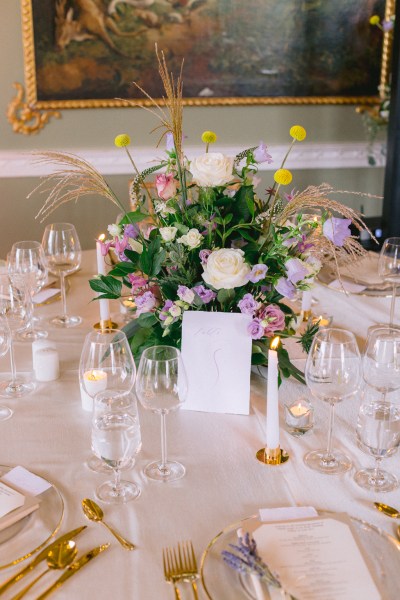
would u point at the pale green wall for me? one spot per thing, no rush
(98, 127)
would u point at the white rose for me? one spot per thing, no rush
(192, 238)
(226, 269)
(211, 169)
(168, 233)
(114, 230)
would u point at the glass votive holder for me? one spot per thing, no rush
(323, 320)
(299, 416)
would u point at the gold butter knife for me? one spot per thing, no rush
(41, 556)
(72, 569)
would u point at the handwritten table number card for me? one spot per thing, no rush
(216, 352)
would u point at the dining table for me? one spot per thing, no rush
(50, 435)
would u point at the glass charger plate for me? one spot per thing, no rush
(327, 275)
(220, 581)
(27, 536)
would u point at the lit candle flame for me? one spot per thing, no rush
(275, 342)
(101, 237)
(95, 375)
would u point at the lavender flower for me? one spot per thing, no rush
(337, 230)
(255, 329)
(248, 305)
(257, 273)
(295, 269)
(164, 313)
(272, 319)
(145, 303)
(185, 294)
(131, 231)
(261, 154)
(286, 288)
(204, 254)
(204, 293)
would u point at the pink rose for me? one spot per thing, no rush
(272, 318)
(166, 186)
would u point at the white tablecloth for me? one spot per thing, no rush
(50, 434)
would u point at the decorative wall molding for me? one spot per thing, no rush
(346, 155)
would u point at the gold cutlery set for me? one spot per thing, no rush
(180, 566)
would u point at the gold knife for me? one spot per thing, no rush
(41, 556)
(72, 569)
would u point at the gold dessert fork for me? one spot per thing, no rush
(188, 565)
(171, 570)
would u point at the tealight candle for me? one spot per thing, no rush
(323, 320)
(299, 416)
(95, 381)
(46, 364)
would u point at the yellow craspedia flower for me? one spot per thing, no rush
(298, 133)
(283, 176)
(209, 137)
(122, 140)
(374, 20)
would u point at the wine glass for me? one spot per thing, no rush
(5, 340)
(378, 434)
(389, 268)
(161, 386)
(106, 363)
(12, 309)
(381, 360)
(28, 273)
(63, 256)
(333, 373)
(116, 440)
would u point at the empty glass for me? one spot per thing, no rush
(389, 268)
(333, 373)
(12, 308)
(378, 434)
(161, 387)
(116, 440)
(5, 338)
(28, 273)
(63, 256)
(106, 364)
(381, 360)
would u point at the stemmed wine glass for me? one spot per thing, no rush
(378, 434)
(333, 373)
(63, 256)
(161, 386)
(5, 338)
(389, 268)
(116, 440)
(106, 364)
(381, 360)
(28, 273)
(12, 309)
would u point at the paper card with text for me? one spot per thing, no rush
(216, 351)
(9, 499)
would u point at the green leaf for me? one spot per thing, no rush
(147, 319)
(133, 217)
(122, 269)
(152, 258)
(225, 296)
(258, 359)
(286, 367)
(133, 256)
(106, 285)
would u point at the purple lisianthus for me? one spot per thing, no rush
(185, 294)
(295, 269)
(145, 303)
(255, 329)
(261, 154)
(274, 317)
(164, 313)
(286, 288)
(248, 305)
(204, 293)
(131, 231)
(257, 273)
(337, 230)
(204, 254)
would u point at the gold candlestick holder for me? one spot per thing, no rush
(306, 315)
(106, 324)
(272, 456)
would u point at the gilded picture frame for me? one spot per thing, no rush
(87, 53)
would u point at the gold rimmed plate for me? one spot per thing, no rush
(220, 581)
(30, 534)
(327, 275)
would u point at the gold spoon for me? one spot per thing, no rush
(387, 510)
(58, 557)
(94, 513)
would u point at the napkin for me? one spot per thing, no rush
(14, 506)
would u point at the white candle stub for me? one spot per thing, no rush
(46, 364)
(95, 381)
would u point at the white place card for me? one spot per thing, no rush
(317, 558)
(9, 499)
(45, 295)
(216, 351)
(25, 481)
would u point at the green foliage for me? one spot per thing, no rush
(106, 286)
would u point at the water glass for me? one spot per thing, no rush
(116, 440)
(389, 268)
(381, 360)
(5, 340)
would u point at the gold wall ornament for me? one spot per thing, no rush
(27, 118)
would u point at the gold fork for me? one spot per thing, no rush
(188, 565)
(171, 570)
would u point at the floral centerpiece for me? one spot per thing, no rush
(207, 239)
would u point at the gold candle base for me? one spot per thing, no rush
(108, 324)
(272, 456)
(306, 315)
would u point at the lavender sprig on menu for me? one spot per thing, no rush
(246, 560)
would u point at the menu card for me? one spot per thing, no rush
(317, 558)
(14, 506)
